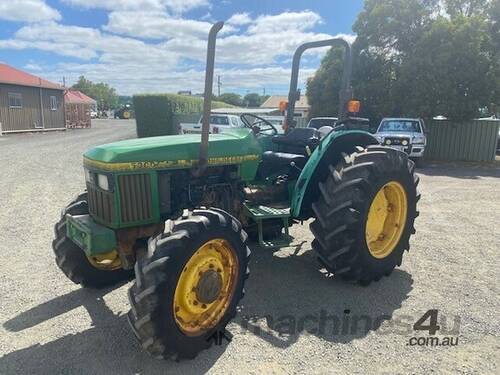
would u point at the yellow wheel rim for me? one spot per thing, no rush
(106, 261)
(126, 115)
(386, 219)
(206, 287)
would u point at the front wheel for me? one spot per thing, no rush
(365, 213)
(188, 284)
(95, 272)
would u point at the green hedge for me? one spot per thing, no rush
(154, 113)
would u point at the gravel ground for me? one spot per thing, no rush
(49, 325)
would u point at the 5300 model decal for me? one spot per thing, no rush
(142, 165)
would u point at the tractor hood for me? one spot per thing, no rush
(174, 151)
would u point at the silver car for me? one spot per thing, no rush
(405, 134)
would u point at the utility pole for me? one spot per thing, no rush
(264, 91)
(219, 84)
(64, 81)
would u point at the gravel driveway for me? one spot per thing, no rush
(290, 314)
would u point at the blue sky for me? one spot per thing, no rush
(159, 45)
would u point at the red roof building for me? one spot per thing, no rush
(78, 107)
(77, 97)
(29, 103)
(13, 76)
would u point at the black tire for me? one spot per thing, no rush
(72, 260)
(419, 162)
(157, 272)
(342, 208)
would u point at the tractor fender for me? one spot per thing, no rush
(327, 153)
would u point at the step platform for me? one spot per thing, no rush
(261, 213)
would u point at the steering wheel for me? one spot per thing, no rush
(258, 124)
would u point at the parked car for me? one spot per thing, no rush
(319, 122)
(405, 134)
(93, 113)
(218, 124)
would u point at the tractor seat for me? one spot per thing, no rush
(279, 160)
(301, 137)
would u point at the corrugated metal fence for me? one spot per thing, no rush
(467, 141)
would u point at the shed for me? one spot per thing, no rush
(78, 107)
(29, 103)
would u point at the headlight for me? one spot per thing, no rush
(103, 182)
(404, 143)
(388, 142)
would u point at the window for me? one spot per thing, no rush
(53, 103)
(15, 100)
(219, 120)
(317, 123)
(400, 126)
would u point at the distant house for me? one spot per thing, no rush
(301, 106)
(29, 103)
(78, 107)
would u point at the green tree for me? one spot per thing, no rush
(450, 70)
(323, 89)
(231, 98)
(419, 58)
(252, 100)
(105, 95)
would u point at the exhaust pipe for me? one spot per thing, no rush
(207, 97)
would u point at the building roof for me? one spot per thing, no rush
(13, 76)
(274, 102)
(77, 97)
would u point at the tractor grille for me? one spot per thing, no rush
(101, 203)
(135, 197)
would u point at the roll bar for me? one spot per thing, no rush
(293, 96)
(345, 91)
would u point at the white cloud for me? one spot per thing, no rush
(158, 25)
(155, 51)
(88, 43)
(304, 20)
(239, 19)
(155, 25)
(34, 67)
(27, 11)
(175, 6)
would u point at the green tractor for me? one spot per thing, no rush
(176, 212)
(125, 112)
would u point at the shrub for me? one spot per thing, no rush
(154, 113)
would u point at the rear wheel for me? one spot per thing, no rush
(365, 214)
(188, 284)
(98, 271)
